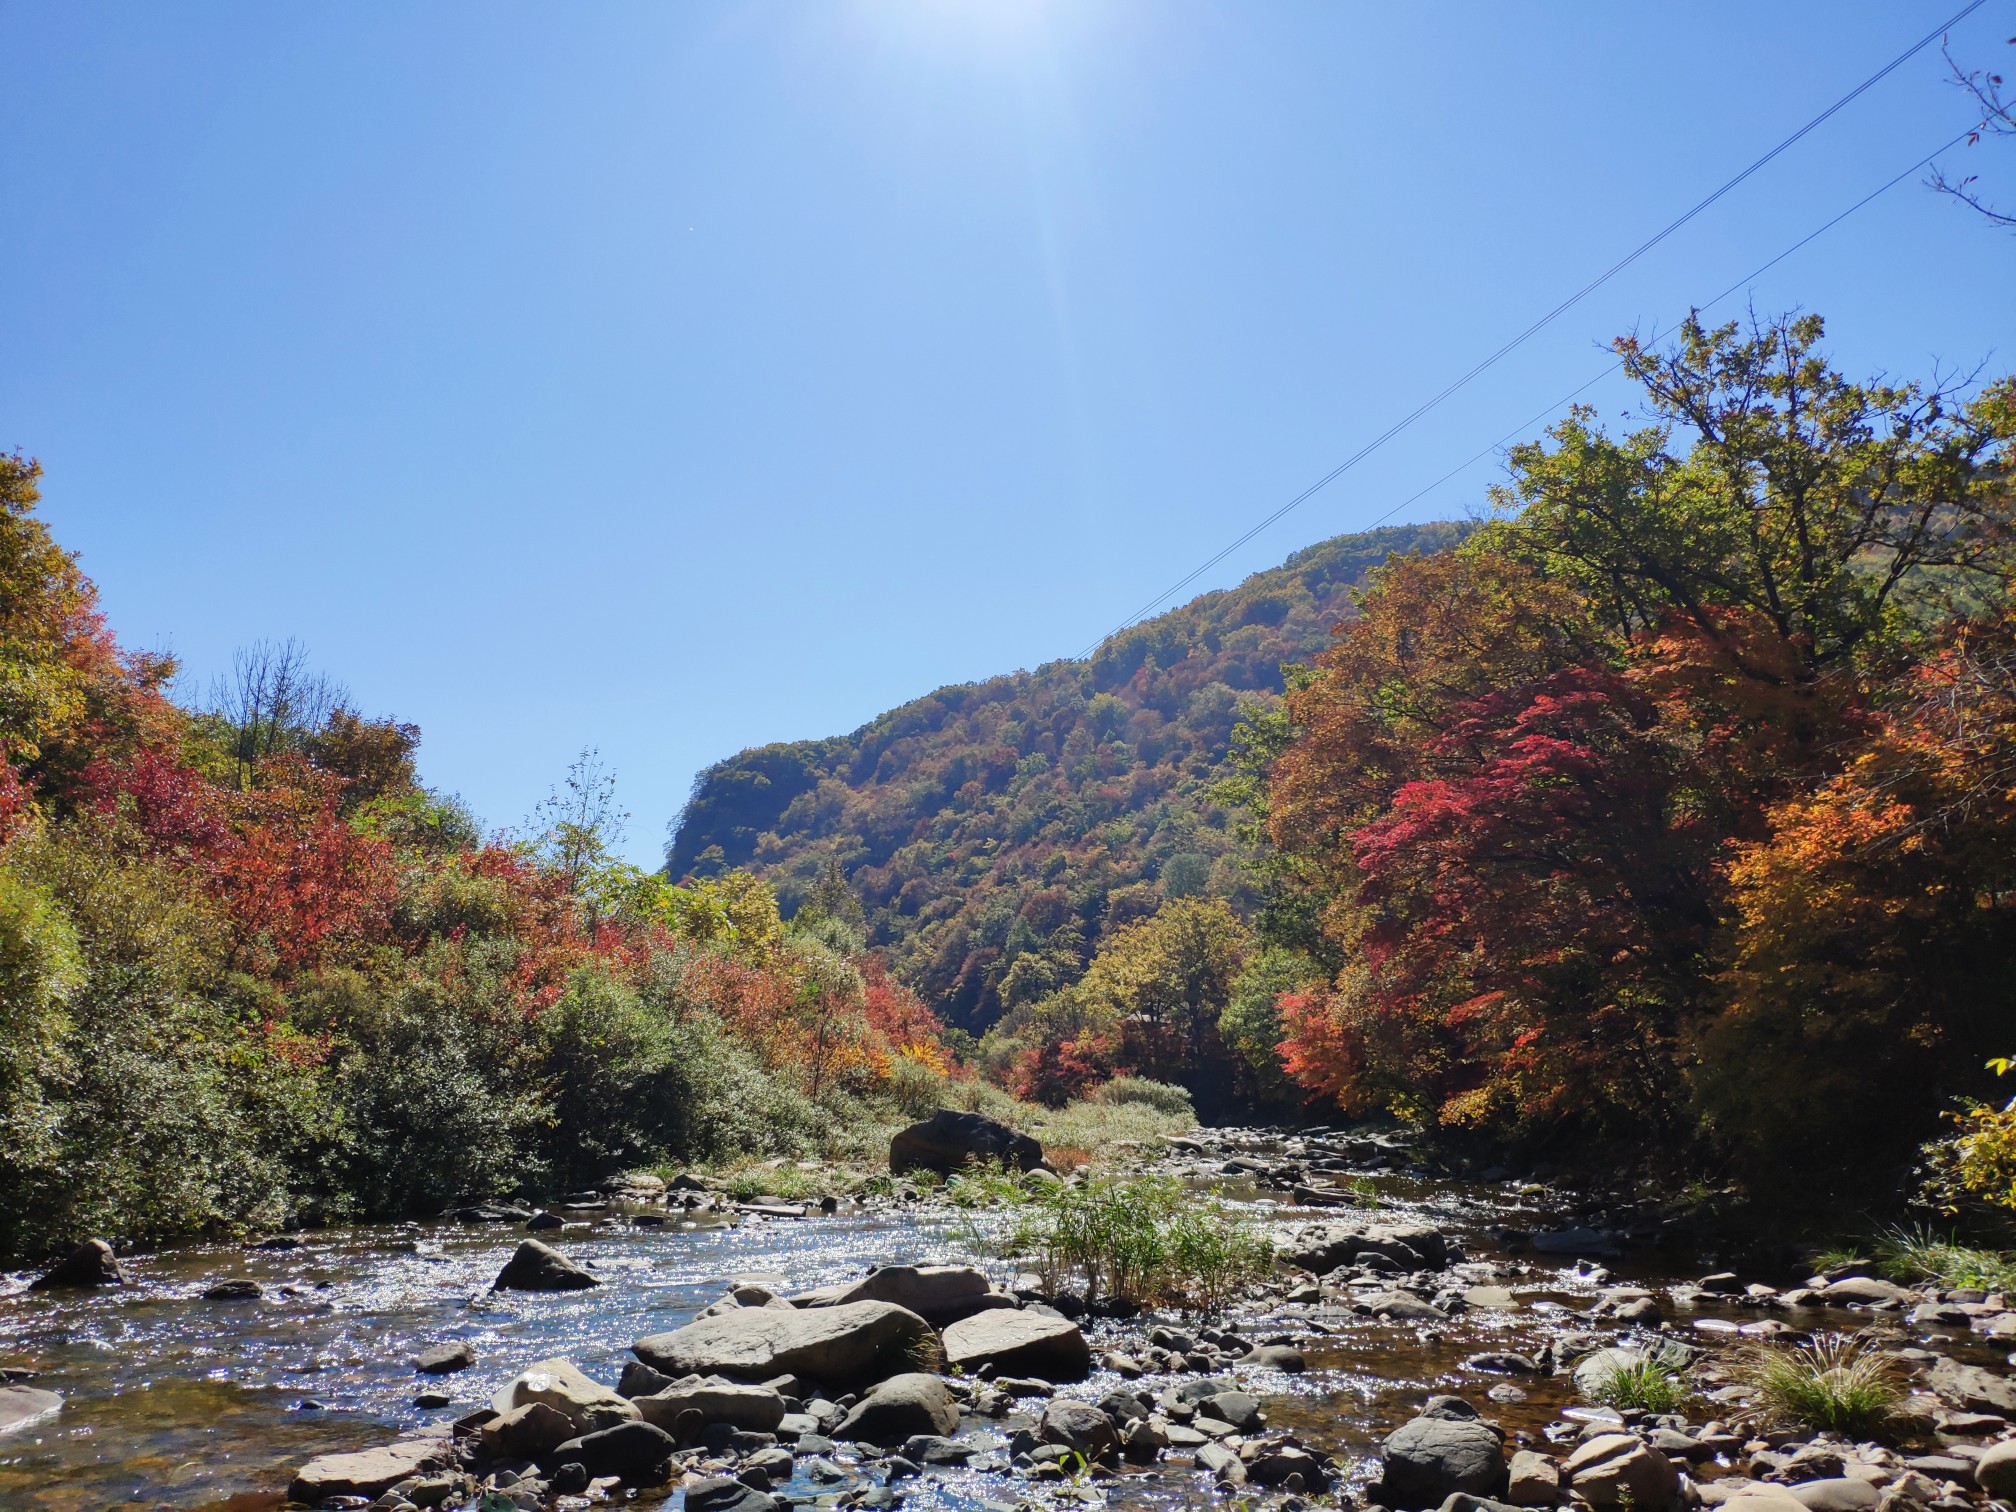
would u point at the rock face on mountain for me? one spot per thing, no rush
(949, 1141)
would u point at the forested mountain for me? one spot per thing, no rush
(995, 831)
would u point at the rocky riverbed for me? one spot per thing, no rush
(1425, 1338)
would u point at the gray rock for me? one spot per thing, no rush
(21, 1406)
(1019, 1343)
(937, 1293)
(949, 1141)
(1431, 1457)
(527, 1432)
(1862, 1291)
(639, 1379)
(638, 1453)
(1995, 1471)
(849, 1344)
(1078, 1426)
(1532, 1480)
(1593, 1372)
(539, 1267)
(1615, 1469)
(1222, 1463)
(718, 1493)
(233, 1291)
(1503, 1362)
(1971, 1386)
(1238, 1408)
(445, 1359)
(92, 1263)
(756, 1408)
(366, 1472)
(902, 1407)
(587, 1405)
(1322, 1247)
(1405, 1307)
(1838, 1494)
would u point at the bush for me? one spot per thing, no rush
(1833, 1383)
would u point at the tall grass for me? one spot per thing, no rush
(1645, 1384)
(1835, 1382)
(1919, 1254)
(1146, 1240)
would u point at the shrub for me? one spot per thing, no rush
(1833, 1383)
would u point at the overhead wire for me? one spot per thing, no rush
(1545, 320)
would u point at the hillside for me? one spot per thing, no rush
(995, 830)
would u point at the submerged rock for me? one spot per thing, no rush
(366, 1472)
(23, 1405)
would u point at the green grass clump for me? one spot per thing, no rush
(989, 1184)
(1147, 1240)
(1161, 1096)
(1647, 1385)
(1919, 1254)
(1833, 1383)
(1840, 1257)
(786, 1183)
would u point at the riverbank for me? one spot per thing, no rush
(171, 1397)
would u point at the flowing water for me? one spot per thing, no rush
(171, 1400)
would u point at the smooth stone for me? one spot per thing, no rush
(539, 1267)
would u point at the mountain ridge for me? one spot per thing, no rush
(1018, 818)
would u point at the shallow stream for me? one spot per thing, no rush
(171, 1400)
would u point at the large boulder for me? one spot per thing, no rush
(936, 1293)
(1433, 1457)
(367, 1472)
(949, 1141)
(23, 1405)
(1995, 1471)
(587, 1405)
(637, 1452)
(900, 1408)
(526, 1432)
(92, 1263)
(1971, 1387)
(540, 1267)
(1862, 1291)
(1322, 1247)
(1078, 1426)
(1617, 1469)
(1019, 1344)
(846, 1345)
(756, 1408)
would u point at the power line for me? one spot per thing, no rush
(1525, 426)
(1537, 326)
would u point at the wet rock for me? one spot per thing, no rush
(1404, 1307)
(1078, 1426)
(1532, 1480)
(902, 1407)
(755, 1408)
(1019, 1343)
(527, 1432)
(570, 1479)
(92, 1263)
(949, 1141)
(1222, 1463)
(445, 1359)
(937, 1293)
(936, 1449)
(587, 1405)
(718, 1493)
(1275, 1357)
(1593, 1372)
(639, 1379)
(429, 1401)
(540, 1223)
(233, 1291)
(539, 1267)
(1431, 1457)
(1275, 1465)
(1615, 1469)
(1503, 1362)
(365, 1472)
(849, 1344)
(637, 1453)
(1237, 1408)
(21, 1406)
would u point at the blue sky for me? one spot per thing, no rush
(676, 378)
